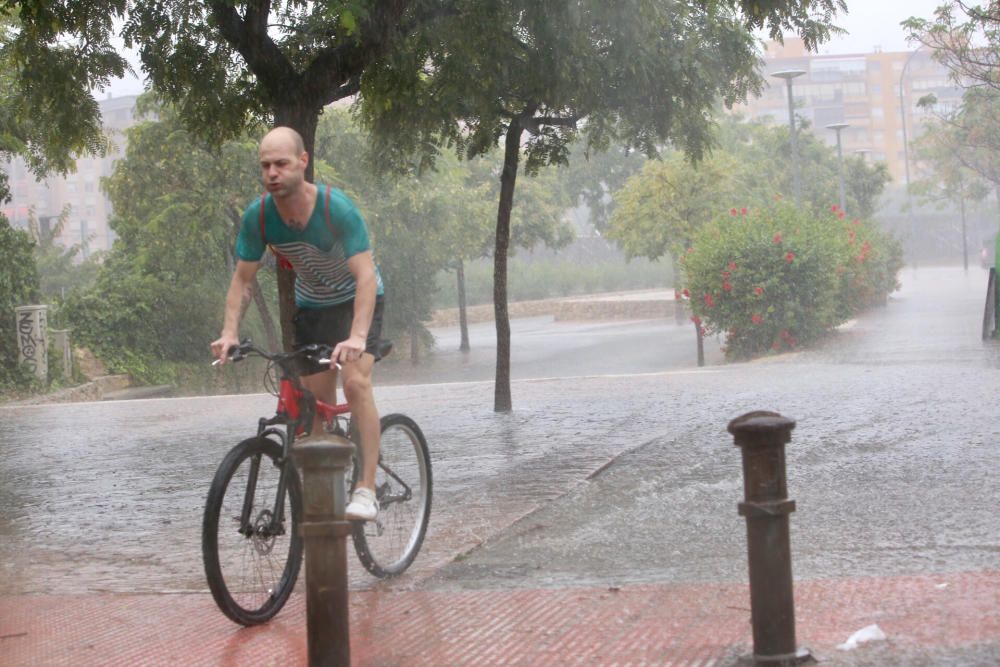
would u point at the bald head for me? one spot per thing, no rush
(283, 162)
(284, 138)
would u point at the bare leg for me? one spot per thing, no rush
(324, 387)
(364, 414)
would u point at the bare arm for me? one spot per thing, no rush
(362, 267)
(237, 301)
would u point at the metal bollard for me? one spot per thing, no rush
(761, 437)
(324, 530)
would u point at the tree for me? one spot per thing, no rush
(18, 287)
(764, 171)
(177, 206)
(593, 176)
(52, 54)
(965, 38)
(425, 222)
(228, 66)
(638, 75)
(61, 269)
(660, 209)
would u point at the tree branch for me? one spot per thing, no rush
(332, 67)
(250, 39)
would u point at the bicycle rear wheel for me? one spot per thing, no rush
(252, 560)
(403, 486)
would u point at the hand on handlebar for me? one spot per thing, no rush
(349, 350)
(221, 348)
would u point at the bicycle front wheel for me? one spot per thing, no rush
(403, 486)
(250, 543)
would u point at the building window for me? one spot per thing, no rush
(878, 112)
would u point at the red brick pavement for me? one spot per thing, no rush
(677, 624)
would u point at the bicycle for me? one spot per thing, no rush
(251, 546)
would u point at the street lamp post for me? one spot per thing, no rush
(906, 148)
(837, 127)
(788, 75)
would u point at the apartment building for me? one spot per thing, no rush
(89, 208)
(865, 91)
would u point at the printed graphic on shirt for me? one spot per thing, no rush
(318, 253)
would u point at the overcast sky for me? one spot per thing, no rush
(870, 24)
(875, 23)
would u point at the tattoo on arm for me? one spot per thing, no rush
(245, 300)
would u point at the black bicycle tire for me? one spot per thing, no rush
(210, 525)
(368, 560)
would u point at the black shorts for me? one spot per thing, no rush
(332, 325)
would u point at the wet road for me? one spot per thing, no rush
(892, 465)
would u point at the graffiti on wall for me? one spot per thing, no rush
(32, 341)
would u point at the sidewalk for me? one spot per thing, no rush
(929, 620)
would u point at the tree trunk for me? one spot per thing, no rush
(679, 309)
(512, 153)
(265, 316)
(965, 236)
(414, 342)
(463, 318)
(302, 118)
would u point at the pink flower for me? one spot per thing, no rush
(840, 215)
(834, 208)
(686, 293)
(756, 319)
(732, 266)
(709, 301)
(789, 256)
(726, 285)
(743, 211)
(777, 237)
(726, 274)
(732, 211)
(696, 320)
(758, 290)
(855, 222)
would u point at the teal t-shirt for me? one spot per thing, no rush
(318, 253)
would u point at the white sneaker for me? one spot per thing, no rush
(363, 506)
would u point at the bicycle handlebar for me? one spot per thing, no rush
(319, 354)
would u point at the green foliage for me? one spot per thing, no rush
(52, 55)
(61, 269)
(549, 279)
(158, 298)
(661, 208)
(592, 176)
(777, 278)
(965, 38)
(421, 222)
(18, 287)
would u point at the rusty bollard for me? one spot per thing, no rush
(761, 437)
(324, 531)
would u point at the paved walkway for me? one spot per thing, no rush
(929, 620)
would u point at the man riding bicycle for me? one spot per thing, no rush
(338, 289)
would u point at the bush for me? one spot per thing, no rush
(774, 279)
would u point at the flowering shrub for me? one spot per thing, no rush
(779, 278)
